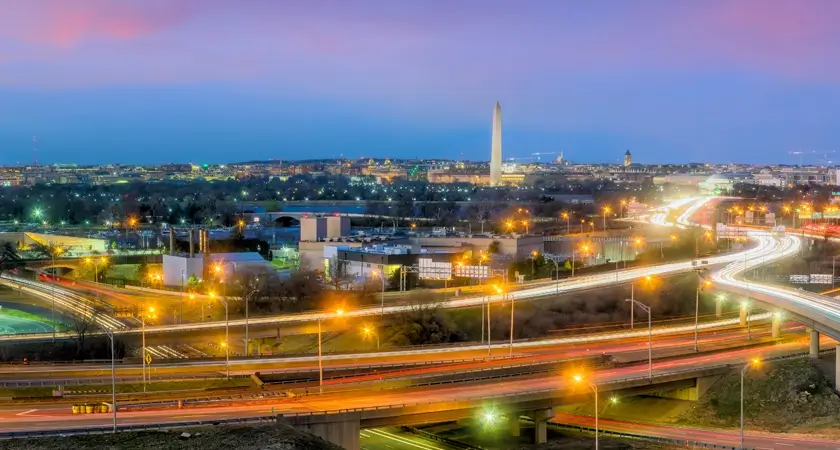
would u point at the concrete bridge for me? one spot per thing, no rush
(342, 426)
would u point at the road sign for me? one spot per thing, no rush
(148, 359)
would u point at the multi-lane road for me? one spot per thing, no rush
(70, 300)
(725, 438)
(48, 416)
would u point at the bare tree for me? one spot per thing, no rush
(83, 323)
(9, 259)
(335, 274)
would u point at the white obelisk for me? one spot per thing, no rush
(496, 148)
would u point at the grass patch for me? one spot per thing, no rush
(780, 397)
(254, 437)
(7, 312)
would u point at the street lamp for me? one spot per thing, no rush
(227, 327)
(110, 334)
(57, 251)
(338, 312)
(505, 295)
(247, 341)
(376, 273)
(648, 279)
(565, 215)
(744, 370)
(151, 314)
(650, 334)
(371, 332)
(745, 305)
(594, 386)
(700, 285)
(525, 224)
(534, 255)
(606, 210)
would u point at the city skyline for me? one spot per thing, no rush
(154, 82)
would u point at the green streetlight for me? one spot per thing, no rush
(37, 213)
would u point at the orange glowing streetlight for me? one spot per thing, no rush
(594, 386)
(606, 210)
(752, 362)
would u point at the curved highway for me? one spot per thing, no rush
(764, 251)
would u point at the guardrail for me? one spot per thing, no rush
(543, 391)
(687, 443)
(109, 429)
(107, 380)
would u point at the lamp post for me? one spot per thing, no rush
(53, 253)
(113, 380)
(650, 334)
(565, 215)
(227, 327)
(505, 296)
(181, 316)
(320, 356)
(382, 295)
(557, 272)
(606, 211)
(833, 272)
(247, 340)
(700, 284)
(594, 387)
(150, 313)
(371, 332)
(743, 372)
(533, 258)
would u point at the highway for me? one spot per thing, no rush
(577, 345)
(764, 251)
(38, 416)
(727, 438)
(394, 438)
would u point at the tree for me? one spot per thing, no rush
(142, 271)
(9, 259)
(335, 273)
(47, 251)
(83, 323)
(193, 283)
(494, 247)
(425, 323)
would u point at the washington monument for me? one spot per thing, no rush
(496, 148)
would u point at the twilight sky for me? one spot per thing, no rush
(149, 81)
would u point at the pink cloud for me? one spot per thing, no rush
(64, 23)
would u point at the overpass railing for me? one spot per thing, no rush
(109, 429)
(606, 384)
(688, 443)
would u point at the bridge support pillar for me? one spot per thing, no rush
(743, 315)
(513, 424)
(541, 418)
(815, 345)
(837, 368)
(340, 429)
(718, 308)
(777, 326)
